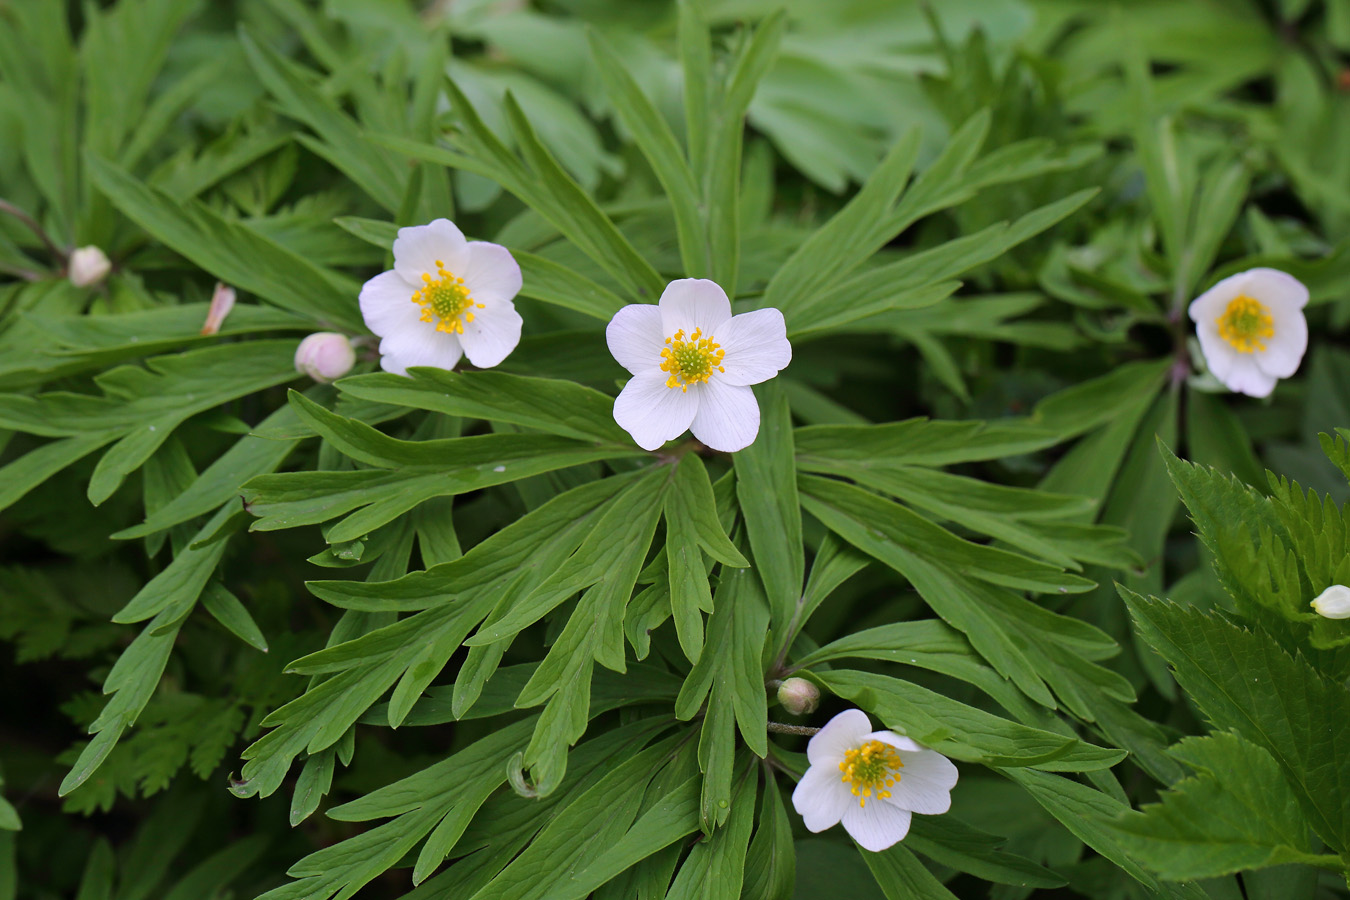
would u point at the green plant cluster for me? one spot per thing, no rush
(454, 635)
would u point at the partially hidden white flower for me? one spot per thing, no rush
(445, 297)
(1333, 603)
(693, 363)
(88, 266)
(325, 356)
(872, 781)
(1252, 330)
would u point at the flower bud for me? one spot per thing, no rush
(88, 266)
(222, 301)
(325, 356)
(1334, 602)
(798, 696)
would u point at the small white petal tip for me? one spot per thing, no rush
(1333, 603)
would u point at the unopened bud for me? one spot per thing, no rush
(222, 301)
(325, 356)
(1334, 602)
(87, 266)
(798, 696)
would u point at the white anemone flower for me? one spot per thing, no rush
(1251, 329)
(872, 781)
(693, 363)
(1333, 603)
(445, 297)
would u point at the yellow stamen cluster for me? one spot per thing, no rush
(1244, 323)
(445, 300)
(872, 768)
(690, 360)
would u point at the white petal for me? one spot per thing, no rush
(1285, 350)
(756, 345)
(493, 333)
(898, 741)
(387, 304)
(821, 798)
(422, 346)
(925, 783)
(693, 303)
(417, 248)
(490, 272)
(1333, 603)
(635, 338)
(1275, 288)
(842, 733)
(728, 415)
(1246, 377)
(877, 825)
(653, 413)
(1212, 303)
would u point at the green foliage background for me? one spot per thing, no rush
(455, 635)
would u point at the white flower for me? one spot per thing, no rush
(445, 297)
(692, 363)
(1334, 602)
(325, 356)
(1251, 329)
(88, 266)
(870, 780)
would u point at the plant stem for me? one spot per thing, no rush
(25, 218)
(781, 728)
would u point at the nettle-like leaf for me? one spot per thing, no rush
(1237, 813)
(1242, 680)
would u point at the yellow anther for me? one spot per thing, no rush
(873, 767)
(445, 300)
(691, 360)
(1245, 323)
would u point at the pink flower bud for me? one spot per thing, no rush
(88, 266)
(798, 696)
(325, 356)
(222, 301)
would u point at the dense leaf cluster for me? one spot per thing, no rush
(454, 635)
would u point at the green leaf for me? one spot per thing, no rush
(372, 169)
(667, 819)
(1244, 681)
(692, 526)
(911, 544)
(552, 405)
(228, 611)
(715, 868)
(1089, 815)
(1237, 813)
(766, 487)
(131, 682)
(237, 255)
(950, 842)
(771, 862)
(654, 138)
(960, 731)
(902, 877)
